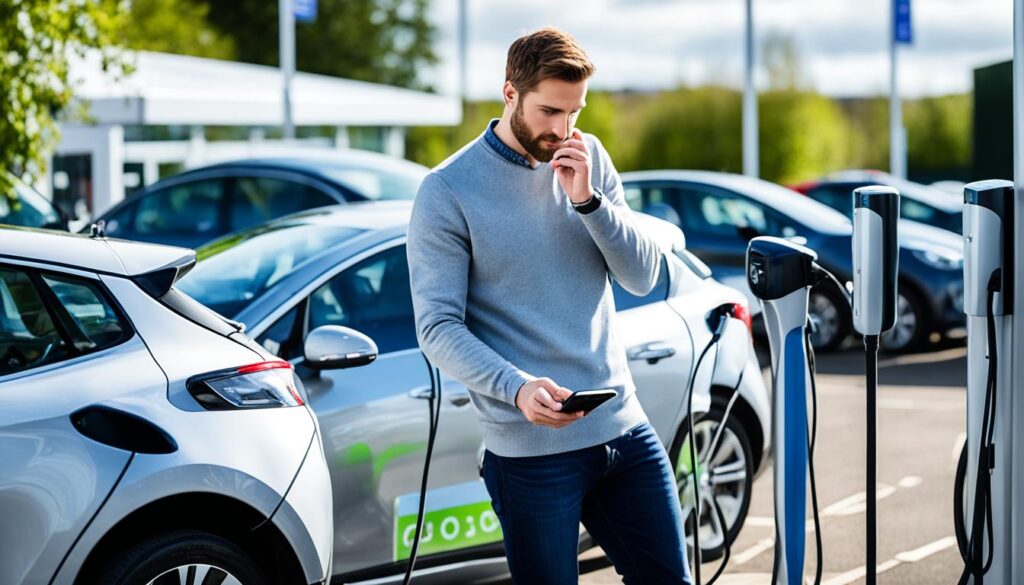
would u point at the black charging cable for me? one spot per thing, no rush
(722, 315)
(812, 441)
(433, 420)
(976, 563)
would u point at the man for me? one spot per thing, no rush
(511, 245)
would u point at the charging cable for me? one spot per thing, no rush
(976, 563)
(434, 419)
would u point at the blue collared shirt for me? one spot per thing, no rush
(501, 148)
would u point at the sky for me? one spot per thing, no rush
(655, 44)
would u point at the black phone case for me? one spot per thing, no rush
(586, 402)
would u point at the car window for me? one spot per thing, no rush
(79, 320)
(626, 300)
(260, 199)
(237, 269)
(24, 206)
(838, 197)
(722, 213)
(94, 324)
(281, 338)
(119, 223)
(28, 338)
(372, 297)
(184, 209)
(917, 211)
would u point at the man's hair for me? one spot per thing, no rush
(548, 53)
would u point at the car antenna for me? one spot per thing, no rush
(98, 229)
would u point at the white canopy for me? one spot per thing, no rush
(168, 89)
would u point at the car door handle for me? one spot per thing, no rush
(459, 398)
(422, 392)
(652, 354)
(425, 393)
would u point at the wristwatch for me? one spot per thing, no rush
(590, 205)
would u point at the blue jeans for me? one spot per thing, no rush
(623, 491)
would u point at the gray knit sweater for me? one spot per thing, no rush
(510, 283)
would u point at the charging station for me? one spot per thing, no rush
(781, 273)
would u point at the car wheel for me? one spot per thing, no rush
(830, 316)
(185, 557)
(726, 480)
(911, 327)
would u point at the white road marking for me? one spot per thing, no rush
(910, 556)
(753, 551)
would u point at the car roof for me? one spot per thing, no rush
(361, 215)
(317, 161)
(108, 256)
(937, 198)
(801, 208)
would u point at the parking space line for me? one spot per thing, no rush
(752, 552)
(910, 556)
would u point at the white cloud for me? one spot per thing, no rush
(646, 44)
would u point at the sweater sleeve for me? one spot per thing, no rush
(439, 251)
(632, 257)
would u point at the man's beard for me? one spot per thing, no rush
(531, 144)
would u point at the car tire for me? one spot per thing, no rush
(830, 312)
(733, 462)
(911, 329)
(195, 555)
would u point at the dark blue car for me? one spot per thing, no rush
(200, 205)
(720, 212)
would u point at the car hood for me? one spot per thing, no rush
(918, 236)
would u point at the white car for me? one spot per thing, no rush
(346, 265)
(144, 439)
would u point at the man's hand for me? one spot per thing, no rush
(572, 165)
(541, 402)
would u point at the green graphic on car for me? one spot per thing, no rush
(456, 517)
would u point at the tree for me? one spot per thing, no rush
(175, 26)
(802, 134)
(37, 39)
(382, 41)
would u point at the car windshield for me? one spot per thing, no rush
(23, 206)
(234, 271)
(390, 181)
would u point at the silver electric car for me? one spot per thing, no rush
(347, 266)
(143, 438)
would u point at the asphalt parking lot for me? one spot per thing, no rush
(921, 409)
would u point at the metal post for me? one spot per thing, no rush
(286, 20)
(464, 50)
(897, 156)
(751, 154)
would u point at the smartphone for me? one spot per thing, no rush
(587, 400)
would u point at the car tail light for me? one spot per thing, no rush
(742, 312)
(260, 385)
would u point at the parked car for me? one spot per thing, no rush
(720, 212)
(200, 205)
(22, 205)
(143, 437)
(347, 265)
(920, 203)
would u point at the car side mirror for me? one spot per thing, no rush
(333, 347)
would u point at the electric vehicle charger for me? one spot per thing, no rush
(433, 418)
(876, 212)
(976, 562)
(781, 274)
(986, 458)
